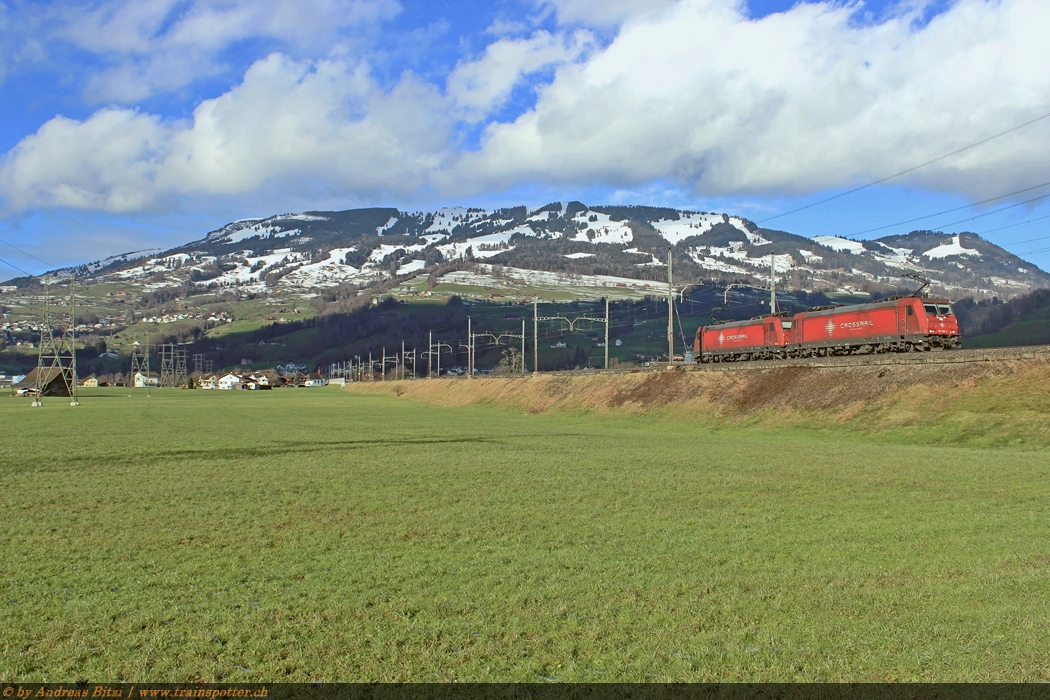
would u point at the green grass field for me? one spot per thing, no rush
(320, 535)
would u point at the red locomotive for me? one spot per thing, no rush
(893, 325)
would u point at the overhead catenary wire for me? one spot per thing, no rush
(1030, 240)
(909, 170)
(949, 211)
(994, 211)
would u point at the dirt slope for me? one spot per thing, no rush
(985, 403)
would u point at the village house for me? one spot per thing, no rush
(230, 381)
(91, 382)
(315, 379)
(144, 379)
(209, 381)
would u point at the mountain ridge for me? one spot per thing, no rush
(368, 247)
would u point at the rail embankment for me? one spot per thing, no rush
(993, 403)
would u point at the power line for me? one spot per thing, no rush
(949, 211)
(15, 267)
(9, 245)
(992, 230)
(909, 170)
(994, 211)
(1030, 240)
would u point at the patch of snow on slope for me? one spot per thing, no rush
(377, 255)
(500, 237)
(411, 266)
(551, 280)
(953, 248)
(757, 239)
(123, 257)
(449, 218)
(809, 256)
(603, 230)
(840, 245)
(655, 262)
(577, 256)
(523, 230)
(734, 250)
(330, 272)
(458, 249)
(897, 258)
(715, 264)
(386, 226)
(259, 230)
(688, 224)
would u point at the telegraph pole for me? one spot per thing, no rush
(382, 370)
(607, 332)
(402, 360)
(523, 347)
(670, 309)
(535, 339)
(430, 350)
(772, 284)
(470, 349)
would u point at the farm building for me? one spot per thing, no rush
(144, 379)
(55, 384)
(91, 382)
(209, 381)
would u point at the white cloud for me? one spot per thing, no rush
(699, 95)
(794, 102)
(326, 121)
(478, 87)
(160, 45)
(604, 13)
(108, 162)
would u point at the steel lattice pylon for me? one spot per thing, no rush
(181, 376)
(167, 365)
(139, 363)
(57, 355)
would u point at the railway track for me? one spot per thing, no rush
(943, 357)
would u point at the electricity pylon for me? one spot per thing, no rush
(57, 352)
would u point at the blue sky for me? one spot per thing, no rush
(146, 123)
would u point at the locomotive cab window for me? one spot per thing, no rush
(930, 309)
(772, 327)
(944, 310)
(911, 311)
(786, 325)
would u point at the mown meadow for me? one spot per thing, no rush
(319, 534)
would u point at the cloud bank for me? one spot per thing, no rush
(693, 92)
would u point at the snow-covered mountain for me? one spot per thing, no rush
(361, 247)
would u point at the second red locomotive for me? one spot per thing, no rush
(894, 325)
